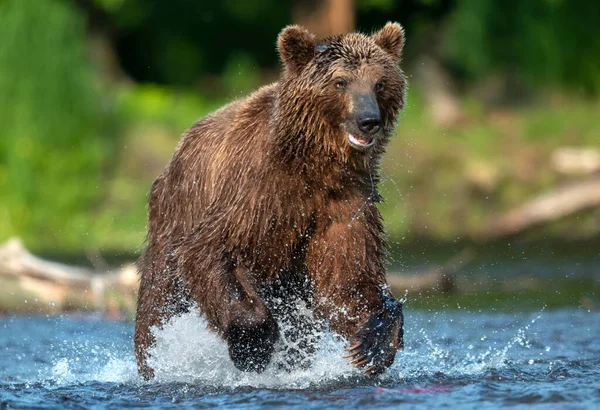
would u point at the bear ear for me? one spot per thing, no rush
(296, 47)
(391, 39)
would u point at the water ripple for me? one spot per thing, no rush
(452, 359)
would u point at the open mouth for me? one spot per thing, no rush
(360, 142)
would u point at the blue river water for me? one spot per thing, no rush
(453, 359)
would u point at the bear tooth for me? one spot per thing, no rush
(358, 141)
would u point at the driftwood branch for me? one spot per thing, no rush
(439, 278)
(57, 287)
(545, 208)
(57, 283)
(576, 160)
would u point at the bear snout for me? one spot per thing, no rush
(369, 124)
(364, 122)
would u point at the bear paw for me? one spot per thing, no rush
(251, 345)
(374, 346)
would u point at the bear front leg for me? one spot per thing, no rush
(161, 296)
(290, 301)
(229, 300)
(376, 343)
(345, 263)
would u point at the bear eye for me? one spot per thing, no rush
(379, 86)
(340, 84)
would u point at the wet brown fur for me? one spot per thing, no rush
(267, 189)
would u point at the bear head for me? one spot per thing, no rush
(340, 98)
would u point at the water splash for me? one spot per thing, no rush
(454, 358)
(479, 357)
(186, 352)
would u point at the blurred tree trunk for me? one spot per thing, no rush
(100, 42)
(441, 100)
(325, 17)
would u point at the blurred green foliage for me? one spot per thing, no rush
(56, 140)
(79, 150)
(178, 41)
(444, 183)
(542, 42)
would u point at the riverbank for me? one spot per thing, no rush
(433, 276)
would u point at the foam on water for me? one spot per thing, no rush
(186, 352)
(67, 371)
(453, 358)
(436, 359)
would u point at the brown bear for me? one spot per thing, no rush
(273, 198)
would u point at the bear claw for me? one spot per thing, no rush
(376, 343)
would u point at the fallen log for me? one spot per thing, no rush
(51, 287)
(547, 207)
(438, 278)
(59, 285)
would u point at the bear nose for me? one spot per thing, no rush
(369, 124)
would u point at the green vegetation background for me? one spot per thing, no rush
(81, 138)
